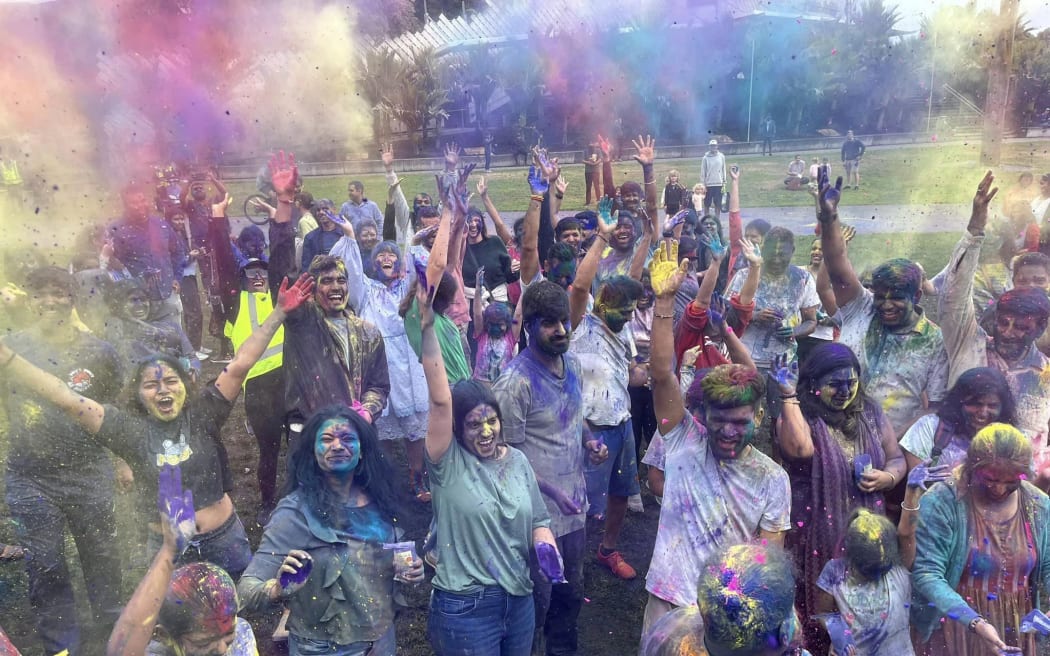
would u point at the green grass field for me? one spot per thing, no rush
(931, 173)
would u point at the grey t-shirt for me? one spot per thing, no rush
(486, 511)
(543, 417)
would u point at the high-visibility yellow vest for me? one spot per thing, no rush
(9, 172)
(252, 311)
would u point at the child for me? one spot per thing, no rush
(673, 194)
(870, 589)
(496, 332)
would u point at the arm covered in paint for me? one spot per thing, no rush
(439, 422)
(349, 251)
(666, 277)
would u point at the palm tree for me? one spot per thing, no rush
(418, 95)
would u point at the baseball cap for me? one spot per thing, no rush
(713, 142)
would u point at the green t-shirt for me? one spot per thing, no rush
(486, 511)
(449, 339)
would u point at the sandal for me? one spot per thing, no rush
(11, 552)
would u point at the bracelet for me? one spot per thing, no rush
(893, 479)
(652, 182)
(974, 622)
(599, 235)
(537, 197)
(559, 196)
(785, 397)
(663, 316)
(918, 504)
(11, 359)
(791, 400)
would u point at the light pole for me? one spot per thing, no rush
(933, 71)
(750, 90)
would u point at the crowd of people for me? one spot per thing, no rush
(837, 472)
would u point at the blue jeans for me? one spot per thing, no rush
(43, 507)
(618, 475)
(385, 646)
(482, 623)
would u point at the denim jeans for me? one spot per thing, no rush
(558, 606)
(385, 646)
(483, 623)
(226, 546)
(43, 507)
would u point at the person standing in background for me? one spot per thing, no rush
(852, 151)
(713, 177)
(769, 133)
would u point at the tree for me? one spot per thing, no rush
(419, 95)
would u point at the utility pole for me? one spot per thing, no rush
(997, 101)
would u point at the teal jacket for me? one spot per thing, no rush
(943, 543)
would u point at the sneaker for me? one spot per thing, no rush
(617, 565)
(206, 351)
(634, 503)
(201, 355)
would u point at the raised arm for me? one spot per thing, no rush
(289, 299)
(502, 230)
(580, 291)
(754, 271)
(666, 277)
(88, 414)
(349, 251)
(478, 306)
(844, 280)
(641, 251)
(439, 424)
(646, 148)
(530, 238)
(736, 224)
(608, 181)
(793, 434)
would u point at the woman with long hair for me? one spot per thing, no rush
(323, 550)
(980, 397)
(168, 420)
(488, 506)
(983, 551)
(840, 453)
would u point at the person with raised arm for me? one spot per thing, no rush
(719, 490)
(168, 420)
(903, 363)
(488, 504)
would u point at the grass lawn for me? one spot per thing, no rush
(903, 175)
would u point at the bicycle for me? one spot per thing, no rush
(257, 208)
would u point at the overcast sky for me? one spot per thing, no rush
(1036, 11)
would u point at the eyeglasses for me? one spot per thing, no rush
(255, 274)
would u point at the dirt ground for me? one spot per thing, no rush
(610, 622)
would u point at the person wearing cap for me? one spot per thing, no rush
(320, 241)
(264, 384)
(713, 177)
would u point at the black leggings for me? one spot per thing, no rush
(264, 406)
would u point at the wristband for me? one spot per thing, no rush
(785, 397)
(918, 504)
(663, 316)
(602, 237)
(559, 196)
(652, 182)
(537, 197)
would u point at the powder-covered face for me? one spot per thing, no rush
(572, 237)
(199, 192)
(730, 431)
(776, 256)
(561, 273)
(894, 308)
(1014, 334)
(755, 237)
(368, 237)
(981, 410)
(496, 329)
(337, 447)
(616, 316)
(631, 200)
(162, 392)
(474, 223)
(1031, 276)
(837, 389)
(331, 291)
(623, 235)
(387, 265)
(51, 303)
(203, 643)
(550, 335)
(996, 481)
(709, 227)
(136, 305)
(481, 431)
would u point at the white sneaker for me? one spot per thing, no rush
(634, 503)
(206, 351)
(201, 355)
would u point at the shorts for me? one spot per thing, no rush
(618, 475)
(851, 165)
(412, 427)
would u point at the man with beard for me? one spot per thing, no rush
(719, 490)
(1021, 316)
(331, 356)
(57, 475)
(902, 359)
(540, 398)
(320, 241)
(606, 353)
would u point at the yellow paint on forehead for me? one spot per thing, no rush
(869, 526)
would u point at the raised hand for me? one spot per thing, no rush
(290, 299)
(560, 183)
(665, 273)
(451, 156)
(482, 187)
(714, 246)
(548, 167)
(425, 301)
(848, 233)
(421, 268)
(786, 374)
(606, 220)
(550, 562)
(751, 253)
(178, 518)
(462, 194)
(828, 200)
(284, 175)
(294, 571)
(646, 148)
(218, 210)
(537, 183)
(673, 222)
(923, 475)
(734, 172)
(387, 155)
(605, 147)
(718, 310)
(479, 279)
(985, 194)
